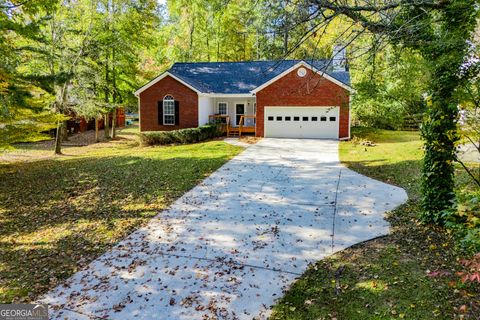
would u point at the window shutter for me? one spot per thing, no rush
(160, 112)
(177, 112)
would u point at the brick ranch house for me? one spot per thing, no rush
(289, 98)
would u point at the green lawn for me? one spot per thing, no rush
(386, 278)
(59, 213)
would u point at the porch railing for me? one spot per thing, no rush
(224, 122)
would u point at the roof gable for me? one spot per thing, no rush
(160, 77)
(333, 76)
(240, 77)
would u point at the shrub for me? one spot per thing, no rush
(181, 136)
(378, 114)
(464, 219)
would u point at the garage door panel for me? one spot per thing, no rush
(302, 122)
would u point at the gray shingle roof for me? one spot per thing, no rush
(242, 77)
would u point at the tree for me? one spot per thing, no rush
(53, 56)
(439, 31)
(110, 68)
(23, 104)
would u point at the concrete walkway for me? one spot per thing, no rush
(230, 247)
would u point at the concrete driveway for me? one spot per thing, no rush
(229, 247)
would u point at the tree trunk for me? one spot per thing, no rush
(64, 131)
(114, 95)
(440, 135)
(285, 39)
(208, 49)
(192, 31)
(114, 124)
(106, 128)
(97, 137)
(439, 128)
(58, 138)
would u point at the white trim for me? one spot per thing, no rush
(160, 77)
(227, 95)
(306, 65)
(139, 116)
(218, 108)
(169, 114)
(349, 117)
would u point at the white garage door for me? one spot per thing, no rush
(302, 122)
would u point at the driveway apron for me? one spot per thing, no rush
(231, 246)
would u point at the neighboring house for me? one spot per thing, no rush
(79, 124)
(290, 98)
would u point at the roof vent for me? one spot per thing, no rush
(302, 72)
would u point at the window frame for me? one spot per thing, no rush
(171, 101)
(226, 108)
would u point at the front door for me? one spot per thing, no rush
(239, 112)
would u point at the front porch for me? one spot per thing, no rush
(236, 112)
(245, 124)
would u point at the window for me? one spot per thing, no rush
(279, 118)
(288, 118)
(296, 118)
(168, 111)
(323, 118)
(304, 118)
(314, 118)
(222, 108)
(270, 118)
(333, 119)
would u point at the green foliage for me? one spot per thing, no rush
(218, 30)
(82, 55)
(375, 113)
(444, 44)
(24, 113)
(440, 135)
(464, 218)
(389, 88)
(181, 136)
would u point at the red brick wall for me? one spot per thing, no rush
(188, 105)
(311, 90)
